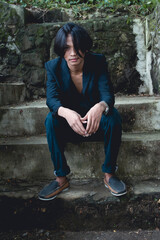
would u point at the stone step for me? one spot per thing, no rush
(12, 93)
(137, 234)
(86, 206)
(138, 114)
(29, 158)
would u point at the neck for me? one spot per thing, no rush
(76, 69)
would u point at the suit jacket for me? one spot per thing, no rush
(61, 90)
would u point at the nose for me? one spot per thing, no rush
(73, 51)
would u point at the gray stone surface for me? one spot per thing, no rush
(27, 118)
(12, 93)
(79, 189)
(112, 235)
(154, 45)
(90, 189)
(12, 14)
(139, 114)
(84, 235)
(54, 15)
(147, 187)
(29, 158)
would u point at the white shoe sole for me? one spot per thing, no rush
(116, 194)
(49, 199)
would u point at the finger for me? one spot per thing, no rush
(97, 123)
(92, 129)
(84, 118)
(82, 129)
(79, 128)
(76, 129)
(95, 128)
(89, 125)
(84, 121)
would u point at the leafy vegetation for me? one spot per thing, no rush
(142, 7)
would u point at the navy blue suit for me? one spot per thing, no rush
(61, 91)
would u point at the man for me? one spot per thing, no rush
(81, 100)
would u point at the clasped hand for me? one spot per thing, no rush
(91, 119)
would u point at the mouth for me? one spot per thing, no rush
(73, 59)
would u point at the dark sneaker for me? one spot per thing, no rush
(50, 191)
(116, 186)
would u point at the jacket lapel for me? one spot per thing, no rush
(65, 75)
(86, 75)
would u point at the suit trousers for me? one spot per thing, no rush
(59, 133)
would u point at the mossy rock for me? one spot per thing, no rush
(11, 15)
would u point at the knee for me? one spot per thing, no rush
(112, 121)
(115, 119)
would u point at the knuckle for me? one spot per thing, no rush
(72, 124)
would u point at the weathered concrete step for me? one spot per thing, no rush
(29, 158)
(25, 119)
(138, 114)
(12, 93)
(86, 206)
(138, 234)
(89, 189)
(104, 235)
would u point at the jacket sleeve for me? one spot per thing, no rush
(104, 84)
(53, 90)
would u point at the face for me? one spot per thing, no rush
(71, 57)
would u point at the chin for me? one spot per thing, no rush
(75, 63)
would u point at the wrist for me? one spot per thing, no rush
(62, 112)
(105, 107)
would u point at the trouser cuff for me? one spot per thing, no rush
(62, 173)
(110, 170)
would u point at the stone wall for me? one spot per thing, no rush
(154, 46)
(11, 20)
(27, 39)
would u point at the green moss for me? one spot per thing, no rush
(39, 42)
(79, 7)
(40, 31)
(152, 25)
(3, 35)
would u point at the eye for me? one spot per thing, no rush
(66, 48)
